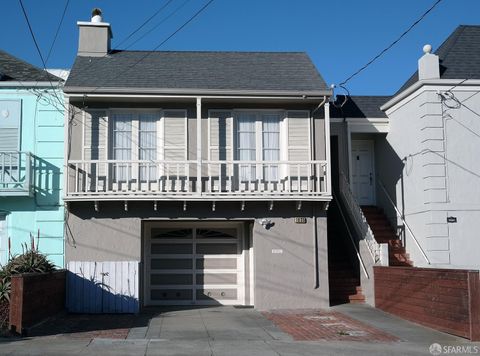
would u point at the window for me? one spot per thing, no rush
(147, 136)
(258, 139)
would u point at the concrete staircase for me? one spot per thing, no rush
(384, 233)
(343, 273)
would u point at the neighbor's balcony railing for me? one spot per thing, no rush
(185, 180)
(15, 173)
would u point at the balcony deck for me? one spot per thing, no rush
(15, 173)
(100, 180)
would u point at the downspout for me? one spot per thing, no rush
(314, 217)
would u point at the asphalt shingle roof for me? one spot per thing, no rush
(15, 69)
(359, 106)
(459, 56)
(232, 71)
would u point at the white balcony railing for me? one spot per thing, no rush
(15, 173)
(185, 180)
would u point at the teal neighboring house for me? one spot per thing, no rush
(31, 159)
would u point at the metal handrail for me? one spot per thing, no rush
(400, 215)
(359, 257)
(359, 219)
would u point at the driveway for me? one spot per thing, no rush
(343, 330)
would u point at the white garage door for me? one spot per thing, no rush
(200, 264)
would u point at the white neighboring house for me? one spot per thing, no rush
(419, 162)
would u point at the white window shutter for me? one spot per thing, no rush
(10, 112)
(298, 130)
(95, 135)
(298, 136)
(175, 135)
(220, 135)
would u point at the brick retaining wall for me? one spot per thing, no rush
(444, 299)
(35, 297)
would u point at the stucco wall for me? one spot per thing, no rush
(285, 279)
(42, 133)
(439, 148)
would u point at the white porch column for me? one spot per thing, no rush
(328, 157)
(199, 145)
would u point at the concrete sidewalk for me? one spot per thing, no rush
(231, 331)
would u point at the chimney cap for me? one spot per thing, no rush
(97, 15)
(427, 48)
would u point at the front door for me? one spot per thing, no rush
(363, 174)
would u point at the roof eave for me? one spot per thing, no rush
(195, 92)
(417, 85)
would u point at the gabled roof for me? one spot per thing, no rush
(359, 107)
(140, 71)
(459, 56)
(15, 69)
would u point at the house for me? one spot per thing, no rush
(196, 177)
(31, 159)
(410, 160)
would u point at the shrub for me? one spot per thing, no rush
(30, 261)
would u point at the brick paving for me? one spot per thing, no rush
(316, 325)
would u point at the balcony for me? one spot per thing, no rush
(97, 180)
(15, 173)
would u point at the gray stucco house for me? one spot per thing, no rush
(412, 159)
(196, 177)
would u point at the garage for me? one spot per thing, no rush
(195, 263)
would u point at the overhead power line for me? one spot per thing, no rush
(386, 49)
(57, 31)
(144, 23)
(195, 15)
(47, 75)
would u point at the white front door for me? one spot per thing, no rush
(363, 174)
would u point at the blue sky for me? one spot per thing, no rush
(339, 36)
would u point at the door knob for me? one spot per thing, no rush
(371, 179)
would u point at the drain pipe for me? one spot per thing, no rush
(315, 248)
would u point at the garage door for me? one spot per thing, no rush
(194, 265)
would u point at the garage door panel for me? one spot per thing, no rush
(193, 266)
(171, 263)
(217, 249)
(162, 233)
(216, 234)
(171, 294)
(217, 294)
(170, 279)
(216, 263)
(177, 249)
(216, 278)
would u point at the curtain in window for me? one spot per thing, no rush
(122, 145)
(147, 150)
(271, 145)
(246, 145)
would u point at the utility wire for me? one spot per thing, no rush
(159, 23)
(196, 14)
(57, 31)
(144, 23)
(386, 49)
(47, 75)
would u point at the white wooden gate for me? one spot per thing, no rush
(102, 287)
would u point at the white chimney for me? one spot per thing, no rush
(428, 65)
(94, 36)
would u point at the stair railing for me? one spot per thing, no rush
(400, 215)
(360, 221)
(359, 257)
